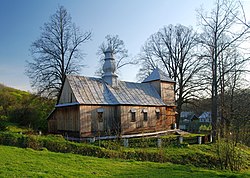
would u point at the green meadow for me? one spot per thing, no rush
(19, 162)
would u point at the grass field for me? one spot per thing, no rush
(18, 162)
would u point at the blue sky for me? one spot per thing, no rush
(133, 20)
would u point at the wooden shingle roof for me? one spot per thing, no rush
(90, 90)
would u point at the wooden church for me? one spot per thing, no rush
(90, 107)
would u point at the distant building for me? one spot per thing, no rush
(205, 117)
(88, 106)
(187, 120)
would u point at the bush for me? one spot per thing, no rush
(142, 142)
(33, 142)
(169, 141)
(109, 144)
(204, 127)
(55, 145)
(3, 126)
(11, 139)
(230, 156)
(149, 142)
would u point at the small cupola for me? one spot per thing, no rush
(109, 68)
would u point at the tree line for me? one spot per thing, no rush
(23, 108)
(208, 62)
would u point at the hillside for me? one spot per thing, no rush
(17, 162)
(24, 108)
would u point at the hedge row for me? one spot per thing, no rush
(50, 142)
(59, 144)
(151, 142)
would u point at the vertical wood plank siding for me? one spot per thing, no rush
(68, 118)
(152, 124)
(116, 119)
(67, 95)
(90, 123)
(52, 123)
(167, 93)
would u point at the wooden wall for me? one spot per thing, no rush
(167, 93)
(170, 114)
(165, 90)
(118, 119)
(91, 125)
(65, 120)
(67, 95)
(68, 118)
(83, 120)
(152, 123)
(52, 122)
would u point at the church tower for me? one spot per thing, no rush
(163, 85)
(109, 69)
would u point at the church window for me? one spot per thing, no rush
(100, 114)
(133, 115)
(145, 114)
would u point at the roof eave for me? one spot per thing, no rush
(67, 104)
(84, 104)
(158, 80)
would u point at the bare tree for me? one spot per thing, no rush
(217, 37)
(239, 115)
(231, 69)
(56, 53)
(173, 49)
(119, 50)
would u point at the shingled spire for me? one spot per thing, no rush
(109, 68)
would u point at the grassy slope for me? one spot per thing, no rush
(17, 162)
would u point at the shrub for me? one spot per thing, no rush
(55, 146)
(204, 127)
(169, 141)
(3, 126)
(11, 139)
(109, 144)
(230, 156)
(89, 150)
(33, 142)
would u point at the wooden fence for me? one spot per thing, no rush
(161, 142)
